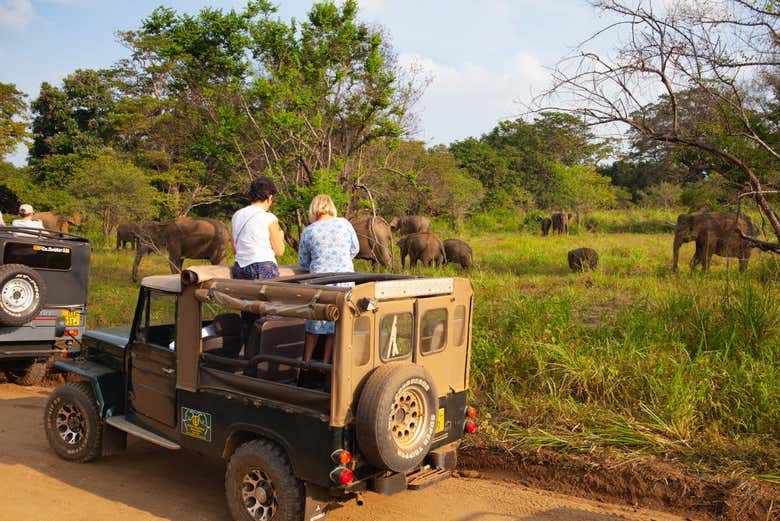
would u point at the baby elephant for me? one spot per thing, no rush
(458, 251)
(425, 247)
(583, 259)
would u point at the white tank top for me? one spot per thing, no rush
(251, 236)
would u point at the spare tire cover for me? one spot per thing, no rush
(22, 293)
(396, 417)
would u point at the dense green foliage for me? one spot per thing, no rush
(549, 163)
(13, 128)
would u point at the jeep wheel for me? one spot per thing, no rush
(33, 374)
(22, 294)
(396, 417)
(72, 422)
(260, 484)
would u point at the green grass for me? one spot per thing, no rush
(630, 358)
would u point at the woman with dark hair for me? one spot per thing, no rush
(257, 237)
(257, 240)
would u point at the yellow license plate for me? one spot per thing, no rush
(440, 420)
(72, 318)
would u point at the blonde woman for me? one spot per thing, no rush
(327, 245)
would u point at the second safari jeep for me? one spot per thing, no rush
(389, 415)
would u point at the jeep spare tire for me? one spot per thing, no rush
(22, 294)
(396, 417)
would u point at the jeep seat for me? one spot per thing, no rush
(226, 340)
(272, 335)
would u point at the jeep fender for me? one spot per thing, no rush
(107, 383)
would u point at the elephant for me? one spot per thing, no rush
(546, 223)
(127, 232)
(425, 247)
(458, 251)
(411, 224)
(560, 222)
(583, 259)
(375, 239)
(55, 221)
(184, 238)
(714, 232)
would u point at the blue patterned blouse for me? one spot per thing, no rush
(328, 246)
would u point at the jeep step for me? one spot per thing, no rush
(121, 423)
(426, 477)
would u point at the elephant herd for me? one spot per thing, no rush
(719, 233)
(715, 233)
(417, 242)
(203, 238)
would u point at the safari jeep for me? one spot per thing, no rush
(44, 281)
(388, 415)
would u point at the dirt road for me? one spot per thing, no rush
(150, 483)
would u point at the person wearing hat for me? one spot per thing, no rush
(26, 213)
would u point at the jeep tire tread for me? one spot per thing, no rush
(263, 465)
(72, 422)
(22, 294)
(33, 374)
(396, 417)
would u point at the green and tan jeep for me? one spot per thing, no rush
(388, 414)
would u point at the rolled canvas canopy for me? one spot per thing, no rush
(310, 310)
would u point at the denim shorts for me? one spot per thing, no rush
(256, 270)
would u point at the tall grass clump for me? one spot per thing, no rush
(632, 356)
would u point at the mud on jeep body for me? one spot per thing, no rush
(390, 416)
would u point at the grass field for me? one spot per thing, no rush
(630, 358)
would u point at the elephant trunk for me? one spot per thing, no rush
(676, 252)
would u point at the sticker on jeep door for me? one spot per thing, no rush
(196, 424)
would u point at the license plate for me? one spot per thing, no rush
(72, 318)
(440, 420)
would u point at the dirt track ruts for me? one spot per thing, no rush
(150, 483)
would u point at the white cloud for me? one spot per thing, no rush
(15, 14)
(372, 7)
(469, 99)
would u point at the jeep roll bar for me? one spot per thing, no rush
(274, 359)
(43, 233)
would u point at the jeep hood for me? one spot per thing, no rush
(117, 336)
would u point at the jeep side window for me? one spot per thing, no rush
(158, 323)
(361, 341)
(433, 331)
(38, 256)
(395, 336)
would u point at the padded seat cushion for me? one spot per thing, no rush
(280, 337)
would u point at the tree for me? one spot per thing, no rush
(13, 124)
(75, 118)
(252, 93)
(519, 161)
(407, 178)
(702, 57)
(113, 189)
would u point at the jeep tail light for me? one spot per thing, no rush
(469, 427)
(471, 412)
(344, 457)
(342, 476)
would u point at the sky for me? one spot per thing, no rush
(484, 58)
